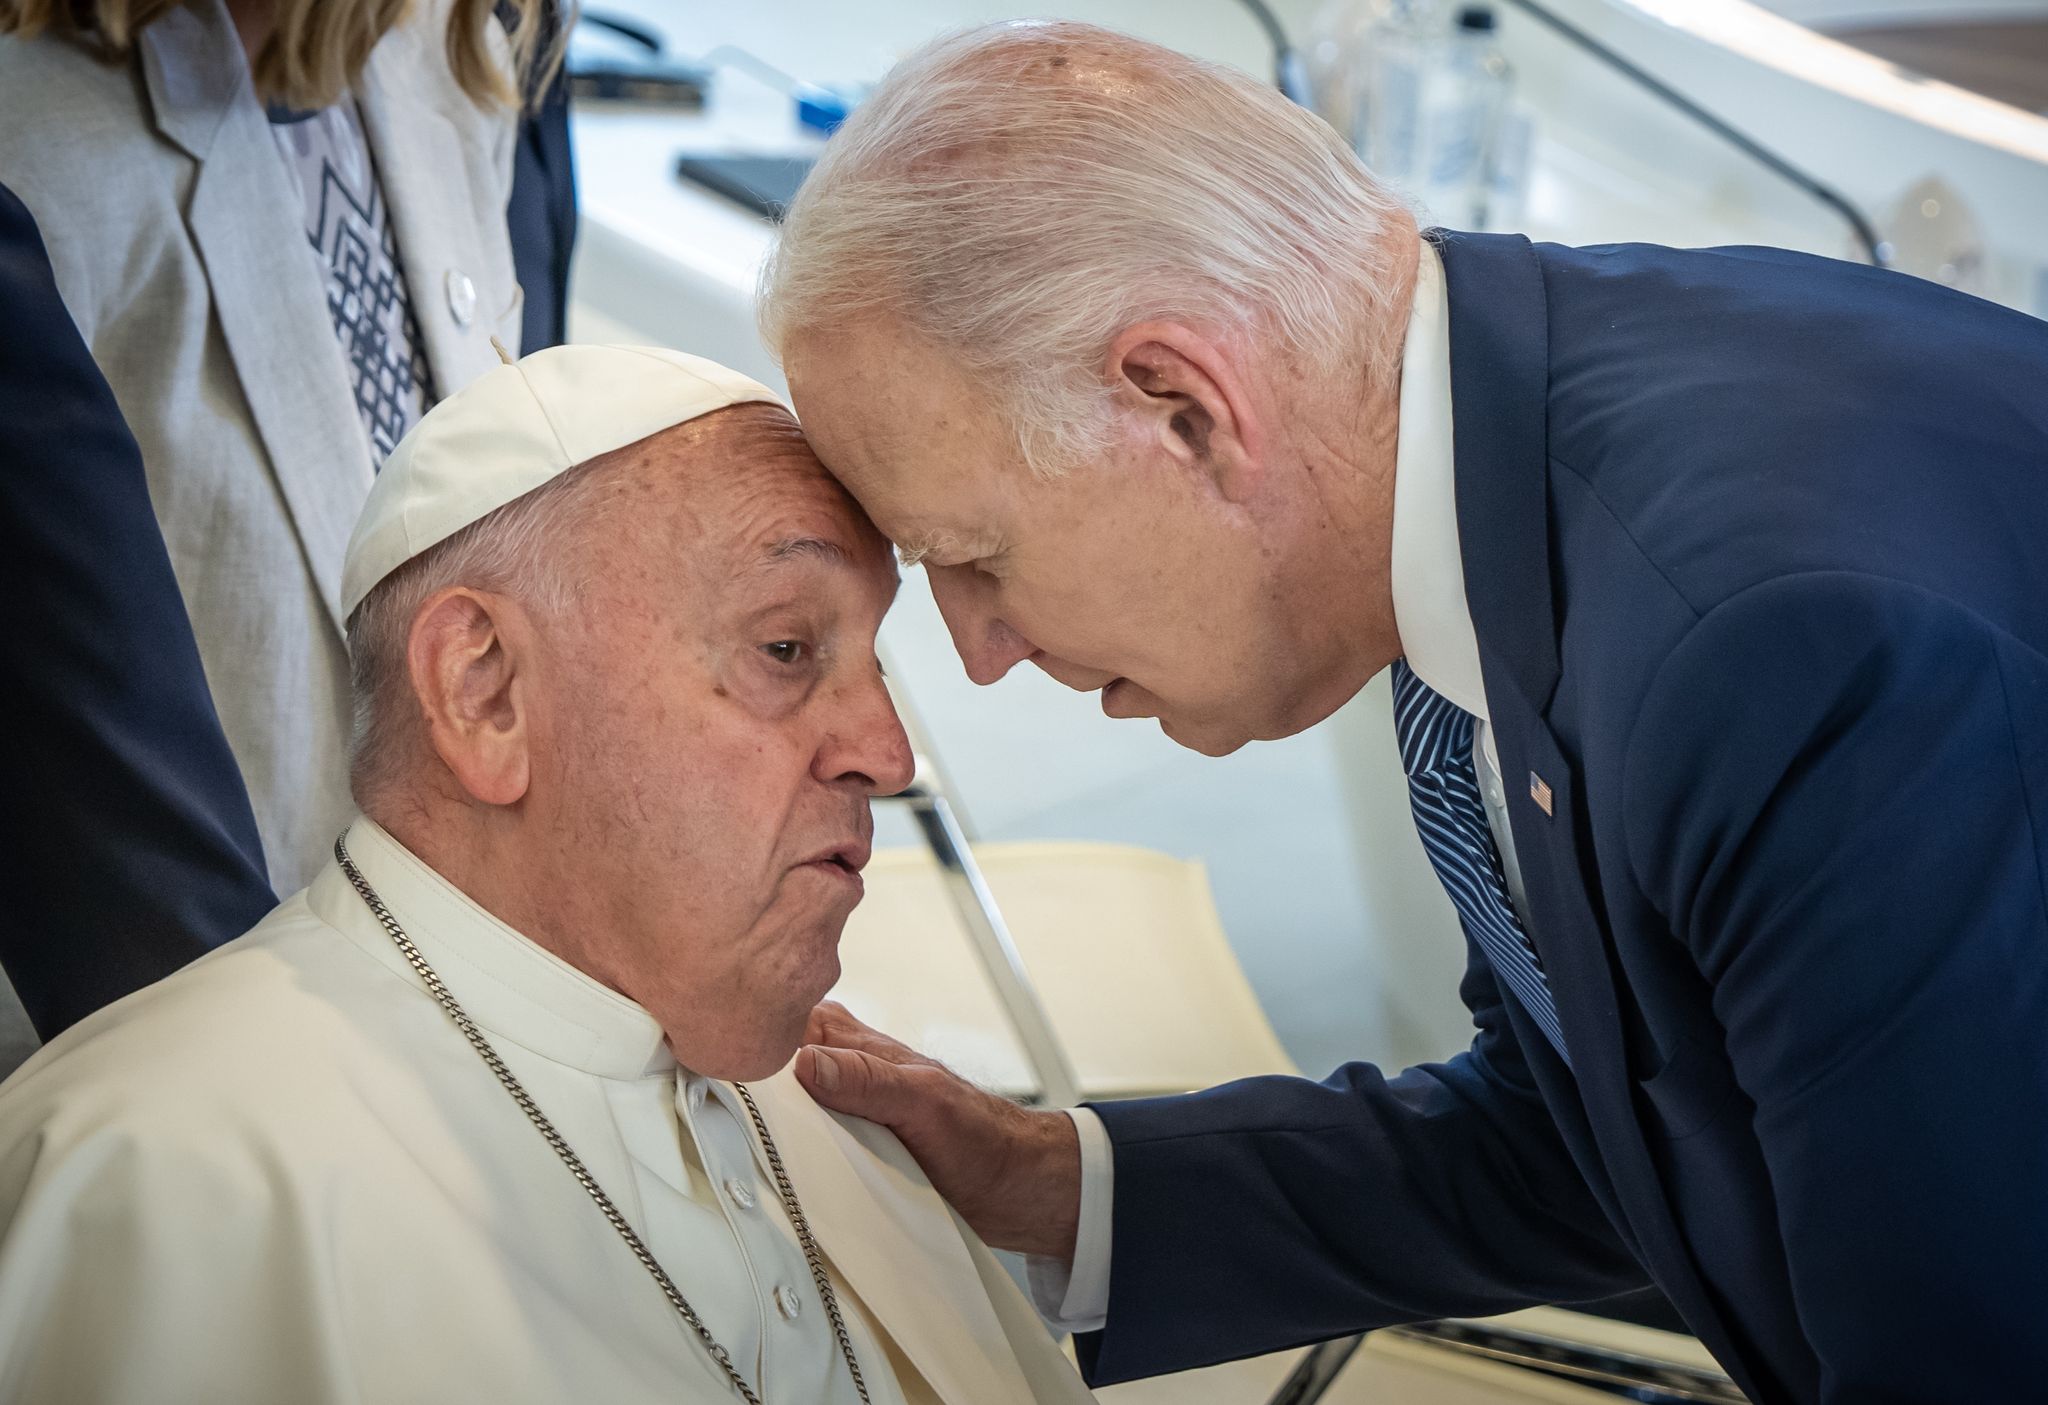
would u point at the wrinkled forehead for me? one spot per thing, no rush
(742, 491)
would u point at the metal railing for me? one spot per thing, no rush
(947, 835)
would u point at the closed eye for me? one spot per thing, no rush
(980, 565)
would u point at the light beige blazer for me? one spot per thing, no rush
(178, 238)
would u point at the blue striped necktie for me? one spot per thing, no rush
(1443, 791)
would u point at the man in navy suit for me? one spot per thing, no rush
(131, 847)
(1715, 590)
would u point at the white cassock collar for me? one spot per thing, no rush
(515, 989)
(1428, 572)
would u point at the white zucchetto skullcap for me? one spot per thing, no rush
(514, 428)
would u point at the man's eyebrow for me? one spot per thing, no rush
(915, 546)
(804, 548)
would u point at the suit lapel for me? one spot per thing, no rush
(245, 219)
(894, 1242)
(425, 160)
(1499, 396)
(1570, 930)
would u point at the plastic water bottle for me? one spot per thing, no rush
(1391, 63)
(1336, 38)
(1432, 108)
(1473, 155)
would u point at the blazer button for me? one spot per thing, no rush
(739, 1193)
(788, 1303)
(461, 297)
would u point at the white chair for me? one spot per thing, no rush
(1586, 1361)
(1122, 944)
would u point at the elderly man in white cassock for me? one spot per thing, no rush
(498, 1109)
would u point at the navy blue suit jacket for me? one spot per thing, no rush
(130, 845)
(1756, 546)
(540, 216)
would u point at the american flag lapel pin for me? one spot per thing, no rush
(1539, 791)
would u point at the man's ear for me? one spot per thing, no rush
(470, 659)
(1186, 392)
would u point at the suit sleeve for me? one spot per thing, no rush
(1837, 794)
(136, 848)
(1273, 1212)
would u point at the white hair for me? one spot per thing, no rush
(1012, 205)
(525, 550)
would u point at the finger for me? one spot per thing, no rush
(822, 1017)
(831, 1024)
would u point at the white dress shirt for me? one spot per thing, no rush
(282, 1174)
(1441, 646)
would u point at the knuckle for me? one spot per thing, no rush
(861, 1075)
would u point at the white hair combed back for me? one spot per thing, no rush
(1019, 194)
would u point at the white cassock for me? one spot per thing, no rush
(281, 1175)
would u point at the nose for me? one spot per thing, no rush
(869, 748)
(987, 645)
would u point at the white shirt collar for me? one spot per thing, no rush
(1428, 572)
(513, 988)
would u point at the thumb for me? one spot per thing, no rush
(853, 1082)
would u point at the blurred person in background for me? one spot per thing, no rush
(542, 217)
(1711, 587)
(282, 228)
(135, 849)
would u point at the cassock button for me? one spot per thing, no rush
(788, 1303)
(739, 1192)
(461, 297)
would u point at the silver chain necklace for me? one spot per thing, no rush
(783, 1186)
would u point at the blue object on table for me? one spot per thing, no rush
(823, 109)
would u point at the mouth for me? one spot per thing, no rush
(842, 862)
